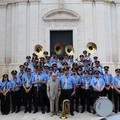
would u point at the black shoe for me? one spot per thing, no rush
(17, 111)
(29, 111)
(13, 111)
(77, 111)
(25, 111)
(43, 112)
(48, 111)
(35, 111)
(72, 114)
(94, 112)
(89, 111)
(82, 111)
(116, 111)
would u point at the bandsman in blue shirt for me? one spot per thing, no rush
(86, 94)
(15, 92)
(108, 81)
(68, 88)
(78, 83)
(43, 91)
(5, 97)
(27, 85)
(20, 77)
(98, 85)
(116, 85)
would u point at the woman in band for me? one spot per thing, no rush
(5, 95)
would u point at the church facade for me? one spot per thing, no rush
(26, 23)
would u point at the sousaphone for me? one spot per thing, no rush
(38, 50)
(58, 48)
(91, 48)
(69, 50)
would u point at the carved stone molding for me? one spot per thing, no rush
(61, 14)
(5, 2)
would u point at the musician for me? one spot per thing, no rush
(43, 90)
(86, 94)
(15, 92)
(5, 95)
(86, 57)
(97, 67)
(95, 58)
(80, 74)
(77, 93)
(70, 61)
(55, 69)
(20, 77)
(53, 92)
(108, 81)
(86, 65)
(98, 85)
(68, 88)
(27, 85)
(81, 62)
(45, 54)
(116, 85)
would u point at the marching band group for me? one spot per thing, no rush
(44, 83)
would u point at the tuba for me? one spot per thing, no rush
(91, 48)
(65, 109)
(69, 50)
(38, 49)
(58, 48)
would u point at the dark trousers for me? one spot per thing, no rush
(35, 95)
(43, 98)
(108, 93)
(96, 95)
(15, 97)
(86, 98)
(5, 103)
(28, 100)
(66, 94)
(116, 100)
(77, 98)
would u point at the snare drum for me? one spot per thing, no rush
(103, 106)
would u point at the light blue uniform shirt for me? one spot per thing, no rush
(17, 82)
(6, 85)
(108, 78)
(27, 80)
(97, 82)
(116, 81)
(70, 82)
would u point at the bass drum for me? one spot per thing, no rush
(103, 106)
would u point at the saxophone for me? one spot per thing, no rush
(65, 109)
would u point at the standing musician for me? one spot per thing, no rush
(86, 94)
(68, 88)
(77, 93)
(108, 80)
(98, 85)
(27, 85)
(15, 92)
(116, 85)
(42, 90)
(5, 95)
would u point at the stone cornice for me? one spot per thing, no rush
(5, 2)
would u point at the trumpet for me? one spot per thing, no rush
(65, 109)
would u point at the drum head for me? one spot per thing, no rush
(103, 107)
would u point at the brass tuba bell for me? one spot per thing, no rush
(38, 49)
(65, 109)
(69, 50)
(58, 48)
(91, 48)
